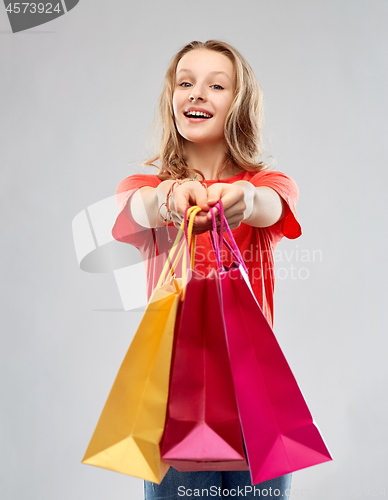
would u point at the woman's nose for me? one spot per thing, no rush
(193, 98)
(197, 94)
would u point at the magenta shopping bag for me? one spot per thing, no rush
(202, 429)
(279, 431)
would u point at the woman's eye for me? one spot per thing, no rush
(219, 87)
(185, 84)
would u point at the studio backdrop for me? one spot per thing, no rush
(78, 90)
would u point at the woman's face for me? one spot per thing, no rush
(208, 76)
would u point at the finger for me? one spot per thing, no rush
(215, 211)
(215, 193)
(234, 221)
(200, 196)
(204, 226)
(201, 219)
(190, 194)
(179, 201)
(201, 228)
(237, 208)
(230, 199)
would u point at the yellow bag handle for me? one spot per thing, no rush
(191, 213)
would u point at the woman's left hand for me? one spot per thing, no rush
(237, 200)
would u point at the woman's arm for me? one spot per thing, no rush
(243, 202)
(145, 202)
(264, 206)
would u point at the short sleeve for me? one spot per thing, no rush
(287, 188)
(125, 228)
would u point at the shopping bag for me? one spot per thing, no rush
(279, 431)
(202, 430)
(131, 425)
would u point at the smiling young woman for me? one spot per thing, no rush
(242, 127)
(211, 113)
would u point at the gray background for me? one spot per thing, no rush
(77, 100)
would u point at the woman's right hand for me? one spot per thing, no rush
(188, 194)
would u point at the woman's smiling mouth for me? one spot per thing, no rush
(196, 114)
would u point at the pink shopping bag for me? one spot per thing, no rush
(279, 431)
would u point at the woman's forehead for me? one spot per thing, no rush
(205, 61)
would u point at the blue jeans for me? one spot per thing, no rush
(216, 485)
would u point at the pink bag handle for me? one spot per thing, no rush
(218, 239)
(215, 238)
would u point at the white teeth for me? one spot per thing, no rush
(198, 113)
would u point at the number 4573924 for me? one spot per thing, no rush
(32, 8)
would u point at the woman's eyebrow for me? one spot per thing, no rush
(210, 73)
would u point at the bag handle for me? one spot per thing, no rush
(219, 239)
(188, 227)
(189, 241)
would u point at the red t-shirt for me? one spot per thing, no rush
(257, 245)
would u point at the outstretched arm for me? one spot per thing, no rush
(242, 201)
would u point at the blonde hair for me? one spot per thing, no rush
(242, 125)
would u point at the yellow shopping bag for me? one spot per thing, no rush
(131, 425)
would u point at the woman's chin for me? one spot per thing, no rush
(202, 139)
